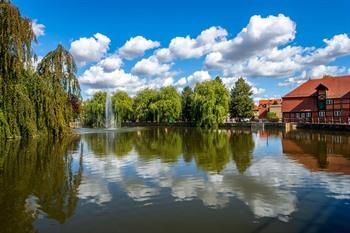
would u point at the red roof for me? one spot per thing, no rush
(270, 101)
(338, 87)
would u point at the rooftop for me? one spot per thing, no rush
(337, 87)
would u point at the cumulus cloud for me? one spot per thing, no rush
(313, 73)
(191, 80)
(102, 76)
(111, 63)
(263, 48)
(335, 47)
(38, 28)
(187, 47)
(92, 49)
(151, 67)
(136, 47)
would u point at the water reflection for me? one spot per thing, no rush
(38, 179)
(109, 170)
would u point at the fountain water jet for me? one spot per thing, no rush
(109, 121)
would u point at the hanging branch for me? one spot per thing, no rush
(59, 65)
(16, 36)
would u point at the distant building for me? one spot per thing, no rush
(269, 105)
(325, 100)
(256, 111)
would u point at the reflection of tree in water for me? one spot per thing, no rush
(209, 148)
(37, 176)
(162, 143)
(242, 146)
(119, 144)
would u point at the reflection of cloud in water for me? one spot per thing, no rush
(138, 191)
(339, 186)
(95, 190)
(266, 186)
(151, 169)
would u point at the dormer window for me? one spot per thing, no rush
(321, 96)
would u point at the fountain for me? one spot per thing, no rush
(110, 123)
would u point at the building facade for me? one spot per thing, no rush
(269, 105)
(325, 100)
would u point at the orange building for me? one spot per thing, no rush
(265, 105)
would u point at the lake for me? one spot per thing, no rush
(177, 180)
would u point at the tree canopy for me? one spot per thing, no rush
(241, 100)
(33, 102)
(122, 107)
(210, 103)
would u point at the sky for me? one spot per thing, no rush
(130, 45)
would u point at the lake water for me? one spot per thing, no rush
(177, 180)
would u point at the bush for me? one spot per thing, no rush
(272, 117)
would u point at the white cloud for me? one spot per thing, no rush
(38, 28)
(108, 75)
(97, 78)
(187, 47)
(313, 73)
(261, 49)
(92, 49)
(338, 46)
(111, 63)
(150, 67)
(163, 54)
(136, 46)
(191, 80)
(259, 35)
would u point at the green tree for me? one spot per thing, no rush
(29, 103)
(210, 103)
(142, 102)
(122, 106)
(186, 104)
(93, 111)
(242, 104)
(167, 105)
(59, 66)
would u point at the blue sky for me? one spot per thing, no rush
(282, 45)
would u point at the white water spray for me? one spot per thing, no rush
(110, 122)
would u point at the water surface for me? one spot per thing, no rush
(177, 180)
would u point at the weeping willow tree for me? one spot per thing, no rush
(33, 102)
(59, 68)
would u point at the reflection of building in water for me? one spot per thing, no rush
(319, 151)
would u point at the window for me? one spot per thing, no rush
(329, 101)
(297, 115)
(302, 115)
(337, 113)
(308, 114)
(321, 114)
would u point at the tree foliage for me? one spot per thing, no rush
(210, 103)
(30, 103)
(93, 111)
(186, 104)
(167, 105)
(142, 105)
(122, 106)
(241, 100)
